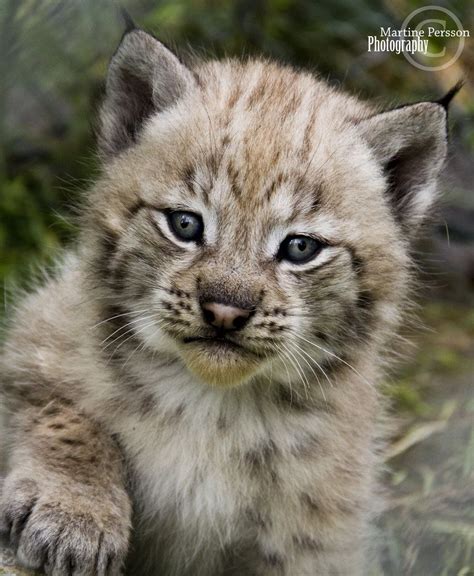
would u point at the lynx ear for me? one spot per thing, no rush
(410, 143)
(144, 77)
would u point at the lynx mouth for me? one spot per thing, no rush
(218, 360)
(216, 341)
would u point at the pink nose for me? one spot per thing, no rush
(225, 317)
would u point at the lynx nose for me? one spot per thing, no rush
(224, 316)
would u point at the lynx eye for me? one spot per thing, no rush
(299, 249)
(186, 226)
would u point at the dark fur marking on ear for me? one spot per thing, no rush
(396, 193)
(139, 95)
(394, 197)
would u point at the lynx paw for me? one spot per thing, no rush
(64, 530)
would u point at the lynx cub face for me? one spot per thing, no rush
(250, 216)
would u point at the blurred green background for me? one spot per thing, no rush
(53, 60)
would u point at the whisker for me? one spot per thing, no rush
(123, 328)
(337, 358)
(292, 358)
(315, 362)
(118, 316)
(142, 345)
(315, 375)
(134, 333)
(282, 357)
(130, 329)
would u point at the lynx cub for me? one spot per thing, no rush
(195, 394)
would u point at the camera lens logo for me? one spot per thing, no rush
(445, 35)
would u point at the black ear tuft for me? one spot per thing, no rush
(445, 100)
(127, 20)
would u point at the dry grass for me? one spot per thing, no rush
(428, 529)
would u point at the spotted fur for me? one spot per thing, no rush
(260, 458)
